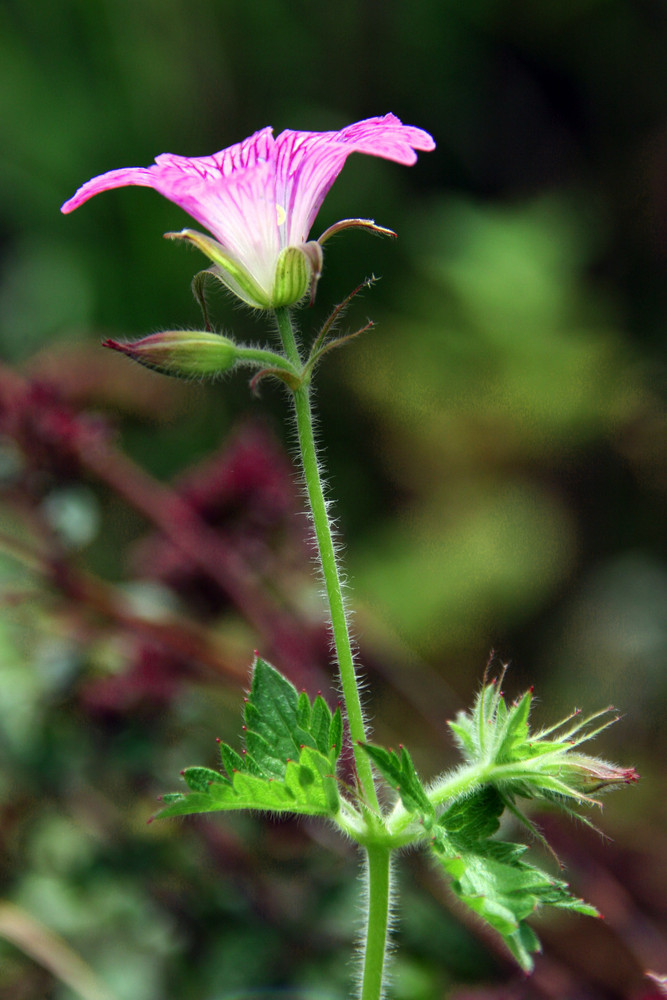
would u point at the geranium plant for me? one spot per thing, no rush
(258, 200)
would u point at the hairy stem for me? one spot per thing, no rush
(378, 855)
(329, 562)
(378, 885)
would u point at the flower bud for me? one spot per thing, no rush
(292, 278)
(592, 774)
(295, 271)
(182, 353)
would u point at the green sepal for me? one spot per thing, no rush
(463, 738)
(226, 268)
(398, 770)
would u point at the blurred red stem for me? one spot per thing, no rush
(177, 634)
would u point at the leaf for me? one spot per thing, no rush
(492, 879)
(474, 817)
(303, 710)
(231, 760)
(288, 763)
(198, 779)
(336, 735)
(278, 724)
(320, 724)
(308, 789)
(398, 770)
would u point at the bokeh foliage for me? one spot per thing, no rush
(497, 446)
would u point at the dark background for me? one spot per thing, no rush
(495, 448)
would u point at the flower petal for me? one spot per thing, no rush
(260, 196)
(182, 179)
(307, 163)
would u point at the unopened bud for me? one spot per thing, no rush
(182, 353)
(591, 774)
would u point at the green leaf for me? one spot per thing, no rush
(336, 735)
(288, 763)
(320, 724)
(231, 760)
(198, 779)
(492, 879)
(308, 789)
(272, 714)
(303, 710)
(398, 770)
(474, 817)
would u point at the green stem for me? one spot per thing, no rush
(378, 873)
(461, 782)
(330, 571)
(378, 855)
(268, 358)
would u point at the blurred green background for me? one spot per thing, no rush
(496, 448)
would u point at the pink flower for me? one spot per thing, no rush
(259, 199)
